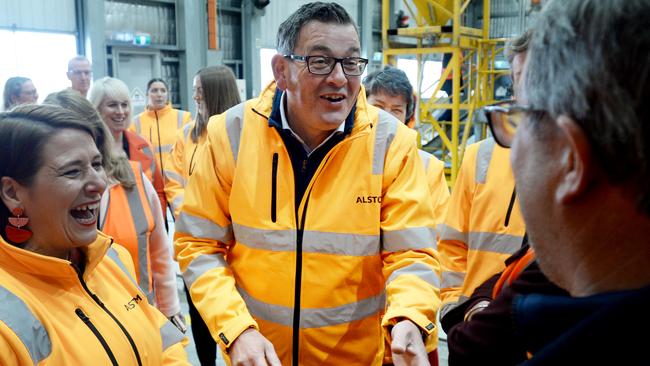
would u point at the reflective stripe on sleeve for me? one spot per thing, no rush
(449, 233)
(186, 130)
(202, 228)
(178, 200)
(409, 239)
(452, 279)
(493, 242)
(201, 265)
(314, 317)
(424, 272)
(147, 151)
(450, 306)
(425, 157)
(384, 135)
(175, 176)
(170, 335)
(313, 241)
(29, 329)
(234, 125)
(483, 157)
(112, 254)
(165, 148)
(179, 116)
(138, 124)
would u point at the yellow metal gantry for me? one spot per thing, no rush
(439, 29)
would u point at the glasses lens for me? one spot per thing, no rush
(353, 66)
(504, 121)
(320, 65)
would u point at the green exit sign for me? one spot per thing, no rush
(142, 39)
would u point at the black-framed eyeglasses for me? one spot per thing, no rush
(323, 65)
(504, 118)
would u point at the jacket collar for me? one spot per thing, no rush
(268, 106)
(14, 259)
(161, 112)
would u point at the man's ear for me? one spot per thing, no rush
(575, 160)
(9, 192)
(280, 69)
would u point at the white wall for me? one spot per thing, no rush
(41, 15)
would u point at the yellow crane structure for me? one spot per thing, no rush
(440, 29)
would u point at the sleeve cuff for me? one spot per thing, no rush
(229, 333)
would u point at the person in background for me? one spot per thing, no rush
(110, 97)
(483, 226)
(391, 90)
(131, 220)
(215, 90)
(160, 122)
(80, 74)
(68, 294)
(306, 226)
(580, 156)
(19, 90)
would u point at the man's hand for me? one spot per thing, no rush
(252, 349)
(407, 347)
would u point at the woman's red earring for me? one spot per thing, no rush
(14, 230)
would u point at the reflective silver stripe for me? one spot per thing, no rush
(142, 229)
(170, 335)
(165, 148)
(314, 317)
(103, 217)
(200, 265)
(452, 279)
(180, 115)
(112, 254)
(20, 319)
(425, 157)
(312, 242)
(138, 125)
(175, 176)
(186, 130)
(492, 242)
(449, 233)
(234, 125)
(176, 203)
(201, 228)
(420, 270)
(384, 135)
(450, 306)
(409, 239)
(483, 157)
(148, 152)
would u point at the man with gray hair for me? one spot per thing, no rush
(581, 160)
(306, 235)
(80, 74)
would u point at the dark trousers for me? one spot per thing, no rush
(206, 347)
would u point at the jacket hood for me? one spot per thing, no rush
(13, 258)
(268, 104)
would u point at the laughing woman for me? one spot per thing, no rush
(67, 294)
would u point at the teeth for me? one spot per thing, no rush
(86, 207)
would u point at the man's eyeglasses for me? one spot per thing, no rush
(504, 118)
(323, 65)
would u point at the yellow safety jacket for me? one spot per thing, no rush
(322, 280)
(483, 226)
(438, 187)
(159, 128)
(51, 315)
(181, 161)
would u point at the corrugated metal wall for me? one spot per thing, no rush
(38, 15)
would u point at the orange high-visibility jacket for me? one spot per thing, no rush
(330, 275)
(129, 217)
(50, 315)
(160, 128)
(483, 226)
(141, 151)
(180, 163)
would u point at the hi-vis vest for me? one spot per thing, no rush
(129, 220)
(483, 226)
(322, 280)
(159, 128)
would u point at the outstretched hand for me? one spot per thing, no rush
(407, 346)
(252, 349)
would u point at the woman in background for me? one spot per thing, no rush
(215, 90)
(19, 90)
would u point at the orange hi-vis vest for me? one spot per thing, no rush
(129, 220)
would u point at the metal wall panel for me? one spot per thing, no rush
(277, 11)
(38, 15)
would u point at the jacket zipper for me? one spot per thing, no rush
(97, 334)
(119, 324)
(510, 206)
(274, 187)
(296, 303)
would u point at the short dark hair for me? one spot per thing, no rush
(317, 11)
(24, 131)
(13, 87)
(394, 82)
(589, 60)
(157, 80)
(220, 92)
